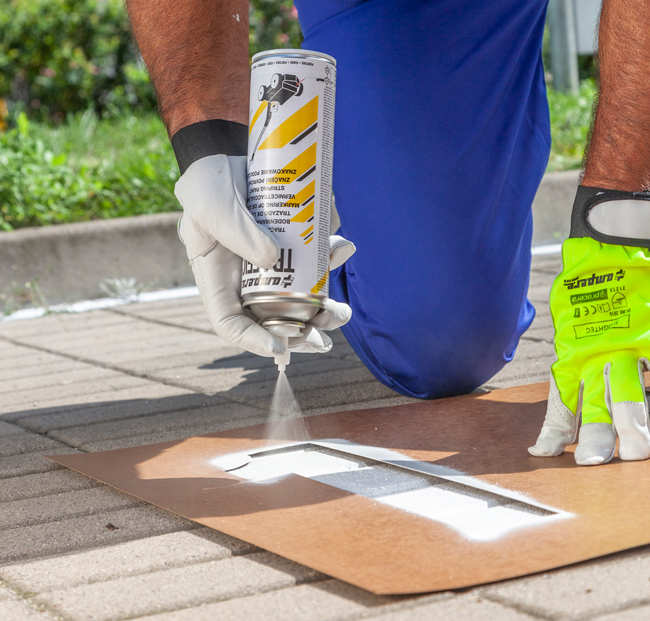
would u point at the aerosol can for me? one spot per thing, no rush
(290, 147)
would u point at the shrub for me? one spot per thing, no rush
(65, 56)
(85, 169)
(61, 56)
(273, 24)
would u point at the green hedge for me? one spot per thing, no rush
(65, 56)
(85, 169)
(61, 56)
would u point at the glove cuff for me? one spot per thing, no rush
(624, 221)
(214, 137)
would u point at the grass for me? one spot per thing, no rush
(87, 168)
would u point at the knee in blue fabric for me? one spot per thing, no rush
(430, 347)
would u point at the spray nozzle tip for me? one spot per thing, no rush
(282, 360)
(283, 330)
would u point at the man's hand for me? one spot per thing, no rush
(601, 301)
(601, 311)
(218, 231)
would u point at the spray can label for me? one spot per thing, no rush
(290, 148)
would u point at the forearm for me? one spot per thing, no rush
(196, 52)
(619, 152)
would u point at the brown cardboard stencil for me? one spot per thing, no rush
(423, 497)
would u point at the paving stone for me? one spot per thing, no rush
(146, 390)
(135, 339)
(6, 594)
(583, 591)
(209, 418)
(40, 368)
(198, 356)
(189, 316)
(123, 559)
(175, 588)
(65, 505)
(19, 611)
(32, 485)
(340, 395)
(464, 607)
(74, 328)
(88, 532)
(179, 305)
(542, 310)
(112, 382)
(538, 292)
(30, 463)
(171, 435)
(553, 260)
(313, 370)
(129, 335)
(528, 350)
(144, 358)
(58, 322)
(633, 614)
(542, 327)
(7, 429)
(26, 442)
(21, 357)
(154, 310)
(363, 405)
(83, 373)
(330, 599)
(72, 417)
(523, 371)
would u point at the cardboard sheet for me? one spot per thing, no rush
(447, 495)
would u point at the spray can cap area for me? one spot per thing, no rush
(284, 330)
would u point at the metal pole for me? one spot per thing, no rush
(564, 48)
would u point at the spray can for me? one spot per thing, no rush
(290, 150)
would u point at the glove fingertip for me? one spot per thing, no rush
(341, 250)
(259, 247)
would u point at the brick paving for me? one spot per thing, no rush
(73, 549)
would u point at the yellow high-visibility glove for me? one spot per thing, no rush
(600, 305)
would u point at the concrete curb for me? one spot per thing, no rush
(71, 260)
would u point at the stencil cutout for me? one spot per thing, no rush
(473, 510)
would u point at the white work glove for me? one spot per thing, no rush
(218, 231)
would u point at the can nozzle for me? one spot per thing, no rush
(282, 360)
(283, 329)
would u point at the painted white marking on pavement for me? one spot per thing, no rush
(475, 509)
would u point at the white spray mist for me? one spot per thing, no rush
(286, 421)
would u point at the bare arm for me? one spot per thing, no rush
(197, 54)
(619, 153)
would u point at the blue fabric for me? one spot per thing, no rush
(442, 137)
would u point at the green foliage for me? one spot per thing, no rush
(273, 24)
(570, 122)
(65, 56)
(85, 169)
(61, 56)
